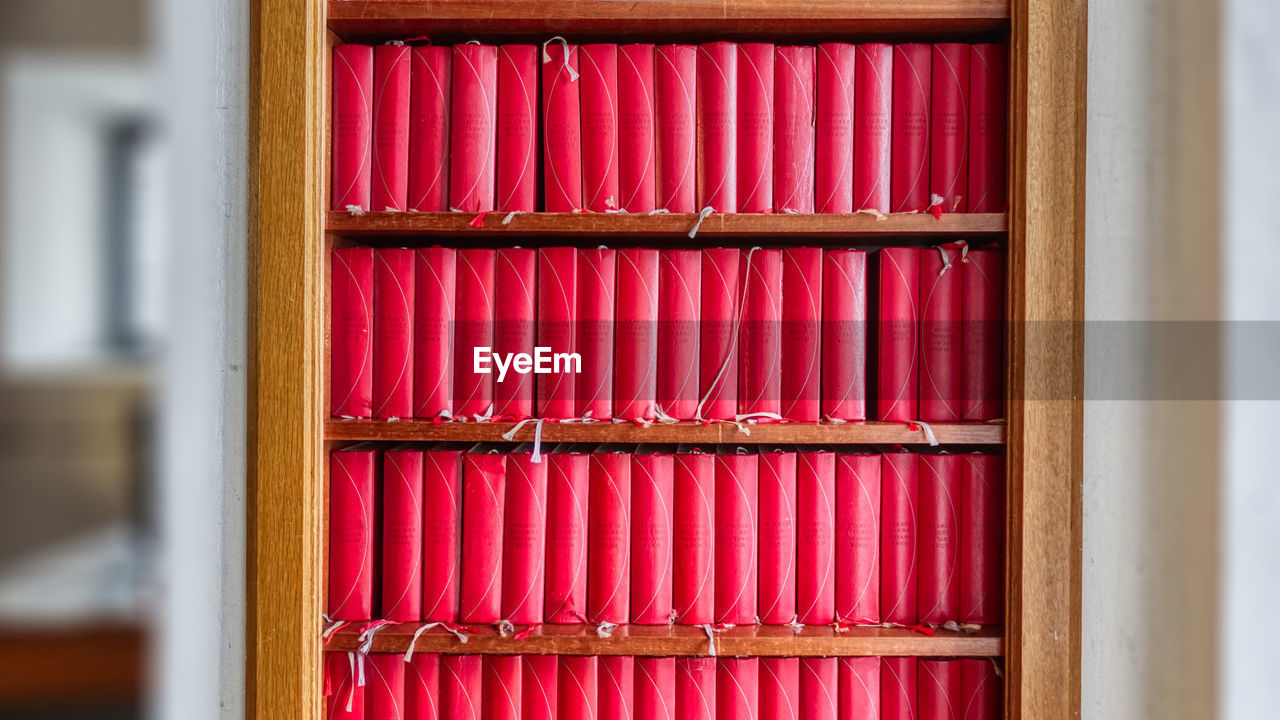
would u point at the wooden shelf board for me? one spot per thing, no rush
(665, 640)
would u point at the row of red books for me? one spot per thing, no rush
(619, 687)
(666, 334)
(590, 535)
(751, 127)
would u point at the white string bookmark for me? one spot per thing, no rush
(408, 654)
(506, 628)
(356, 210)
(331, 627)
(507, 220)
(546, 56)
(706, 213)
(605, 629)
(659, 211)
(928, 431)
(486, 416)
(663, 417)
(351, 692)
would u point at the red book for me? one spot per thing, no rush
(675, 125)
(939, 551)
(351, 533)
(982, 539)
(833, 128)
(820, 688)
(461, 687)
(503, 693)
(635, 383)
(801, 333)
(391, 66)
(679, 308)
(949, 126)
(483, 493)
(599, 63)
(593, 387)
(898, 334)
(736, 493)
(940, 353)
(435, 287)
(777, 499)
(402, 538)
(693, 585)
(352, 139)
(760, 333)
(755, 127)
(652, 522)
(422, 687)
(873, 126)
(517, 159)
(718, 335)
(567, 487)
(514, 327)
(473, 128)
(909, 184)
(717, 132)
(793, 132)
(473, 328)
(816, 526)
(844, 334)
(561, 129)
(351, 333)
(696, 688)
(539, 687)
(988, 91)
(982, 335)
(939, 685)
(609, 538)
(858, 539)
(442, 535)
(655, 688)
(344, 697)
(899, 508)
(430, 90)
(780, 694)
(557, 327)
(860, 687)
(384, 687)
(576, 683)
(393, 305)
(737, 689)
(898, 688)
(524, 540)
(637, 164)
(615, 694)
(980, 691)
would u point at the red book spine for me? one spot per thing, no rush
(982, 539)
(801, 333)
(435, 286)
(940, 354)
(393, 304)
(615, 695)
(793, 136)
(980, 691)
(844, 334)
(593, 387)
(539, 687)
(577, 687)
(352, 139)
(635, 381)
(820, 688)
(351, 333)
(816, 525)
(760, 333)
(422, 687)
(557, 327)
(693, 586)
(696, 688)
(655, 688)
(718, 335)
(939, 552)
(442, 535)
(652, 523)
(939, 685)
(524, 540)
(909, 185)
(873, 126)
(351, 534)
(483, 492)
(599, 127)
(429, 128)
(517, 159)
(473, 328)
(384, 687)
(898, 688)
(988, 91)
(858, 539)
(899, 503)
(502, 686)
(717, 133)
(561, 128)
(898, 334)
(777, 499)
(637, 165)
(675, 126)
(679, 308)
(344, 698)
(567, 489)
(738, 689)
(982, 335)
(860, 687)
(755, 127)
(390, 189)
(780, 688)
(949, 126)
(474, 127)
(461, 687)
(833, 128)
(402, 488)
(736, 493)
(609, 536)
(514, 327)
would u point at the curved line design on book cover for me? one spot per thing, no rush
(398, 309)
(526, 94)
(789, 508)
(365, 554)
(613, 696)
(889, 612)
(991, 292)
(745, 506)
(342, 199)
(486, 476)
(423, 687)
(391, 471)
(826, 506)
(704, 484)
(479, 325)
(458, 688)
(534, 687)
(577, 698)
(562, 82)
(470, 200)
(680, 194)
(953, 554)
(870, 504)
(560, 328)
(497, 669)
(654, 703)
(366, 312)
(722, 197)
(382, 103)
(892, 409)
(931, 684)
(593, 72)
(621, 502)
(572, 606)
(518, 309)
(684, 303)
(640, 472)
(940, 320)
(765, 337)
(819, 678)
(921, 90)
(436, 143)
(871, 697)
(740, 700)
(449, 586)
(517, 608)
(847, 382)
(983, 581)
(804, 388)
(725, 339)
(691, 679)
(787, 693)
(638, 309)
(645, 83)
(873, 85)
(602, 265)
(988, 65)
(838, 59)
(952, 76)
(439, 296)
(906, 697)
(759, 160)
(345, 689)
(798, 187)
(382, 692)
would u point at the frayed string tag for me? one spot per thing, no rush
(356, 210)
(507, 220)
(506, 628)
(332, 627)
(546, 56)
(711, 639)
(408, 654)
(920, 425)
(351, 691)
(605, 629)
(706, 213)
